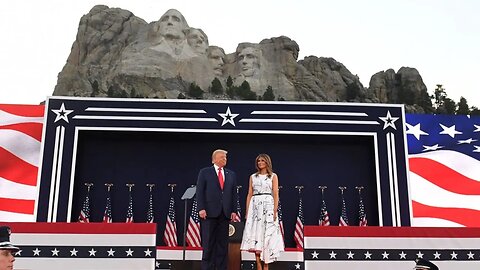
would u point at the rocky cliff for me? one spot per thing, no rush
(117, 54)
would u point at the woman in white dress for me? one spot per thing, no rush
(262, 233)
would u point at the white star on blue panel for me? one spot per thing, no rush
(450, 131)
(228, 117)
(415, 130)
(62, 113)
(389, 121)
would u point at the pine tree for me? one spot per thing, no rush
(474, 111)
(216, 87)
(245, 93)
(229, 81)
(462, 107)
(450, 106)
(195, 91)
(95, 90)
(268, 95)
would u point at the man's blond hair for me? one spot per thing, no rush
(218, 151)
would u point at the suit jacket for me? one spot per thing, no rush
(211, 197)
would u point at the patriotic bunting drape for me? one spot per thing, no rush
(20, 137)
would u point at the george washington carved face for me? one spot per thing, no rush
(172, 24)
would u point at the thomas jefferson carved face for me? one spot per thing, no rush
(197, 39)
(216, 56)
(172, 24)
(248, 61)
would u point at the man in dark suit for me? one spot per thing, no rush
(216, 200)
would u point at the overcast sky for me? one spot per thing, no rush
(440, 38)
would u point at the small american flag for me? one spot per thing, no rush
(193, 230)
(170, 234)
(84, 216)
(107, 215)
(238, 213)
(280, 218)
(362, 216)
(298, 235)
(324, 219)
(343, 217)
(129, 218)
(150, 215)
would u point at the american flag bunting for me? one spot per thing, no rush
(444, 161)
(20, 140)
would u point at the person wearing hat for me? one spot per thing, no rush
(7, 250)
(423, 264)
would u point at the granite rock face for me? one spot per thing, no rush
(117, 54)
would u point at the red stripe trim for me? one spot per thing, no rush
(83, 228)
(17, 170)
(177, 248)
(24, 110)
(17, 205)
(443, 176)
(33, 130)
(466, 217)
(393, 232)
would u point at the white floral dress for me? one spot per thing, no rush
(262, 234)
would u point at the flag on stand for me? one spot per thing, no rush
(170, 234)
(362, 216)
(107, 214)
(129, 218)
(444, 163)
(324, 219)
(298, 235)
(193, 230)
(20, 140)
(280, 218)
(150, 215)
(343, 217)
(84, 216)
(238, 215)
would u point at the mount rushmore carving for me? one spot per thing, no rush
(117, 54)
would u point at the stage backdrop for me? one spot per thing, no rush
(124, 141)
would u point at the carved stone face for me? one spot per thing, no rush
(172, 24)
(216, 57)
(248, 61)
(197, 40)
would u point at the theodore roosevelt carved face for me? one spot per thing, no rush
(216, 56)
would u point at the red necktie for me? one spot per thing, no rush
(220, 178)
